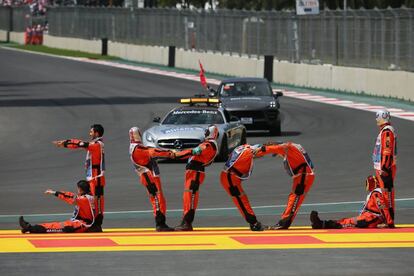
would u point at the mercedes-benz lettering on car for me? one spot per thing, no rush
(252, 101)
(184, 126)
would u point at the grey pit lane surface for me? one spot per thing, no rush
(43, 99)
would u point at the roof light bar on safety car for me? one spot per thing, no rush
(207, 101)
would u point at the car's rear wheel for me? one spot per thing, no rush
(224, 150)
(276, 129)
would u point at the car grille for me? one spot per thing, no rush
(272, 114)
(251, 114)
(178, 143)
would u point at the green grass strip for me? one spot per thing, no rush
(59, 52)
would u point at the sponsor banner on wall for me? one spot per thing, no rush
(304, 7)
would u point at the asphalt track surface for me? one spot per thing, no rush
(44, 98)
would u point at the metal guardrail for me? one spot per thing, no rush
(363, 38)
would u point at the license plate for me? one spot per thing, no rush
(246, 120)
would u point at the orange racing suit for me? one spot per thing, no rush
(199, 158)
(374, 212)
(143, 160)
(385, 158)
(299, 166)
(239, 167)
(83, 215)
(95, 168)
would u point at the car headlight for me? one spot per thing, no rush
(272, 104)
(149, 137)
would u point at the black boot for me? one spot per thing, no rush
(257, 226)
(37, 229)
(160, 225)
(186, 223)
(316, 221)
(163, 227)
(184, 226)
(282, 224)
(24, 225)
(331, 224)
(96, 227)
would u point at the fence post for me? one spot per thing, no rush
(171, 56)
(10, 29)
(10, 19)
(397, 39)
(104, 46)
(268, 68)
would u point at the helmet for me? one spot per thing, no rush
(383, 117)
(135, 135)
(211, 133)
(84, 186)
(371, 183)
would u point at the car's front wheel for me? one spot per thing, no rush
(224, 150)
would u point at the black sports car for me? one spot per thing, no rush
(252, 101)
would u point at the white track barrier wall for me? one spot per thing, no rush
(220, 64)
(3, 35)
(75, 44)
(147, 54)
(396, 84)
(17, 37)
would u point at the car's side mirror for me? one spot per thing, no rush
(156, 120)
(212, 93)
(278, 94)
(234, 119)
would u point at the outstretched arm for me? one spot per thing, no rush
(156, 152)
(71, 143)
(271, 148)
(183, 154)
(68, 197)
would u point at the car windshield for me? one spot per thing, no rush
(245, 89)
(194, 116)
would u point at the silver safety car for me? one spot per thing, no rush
(184, 127)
